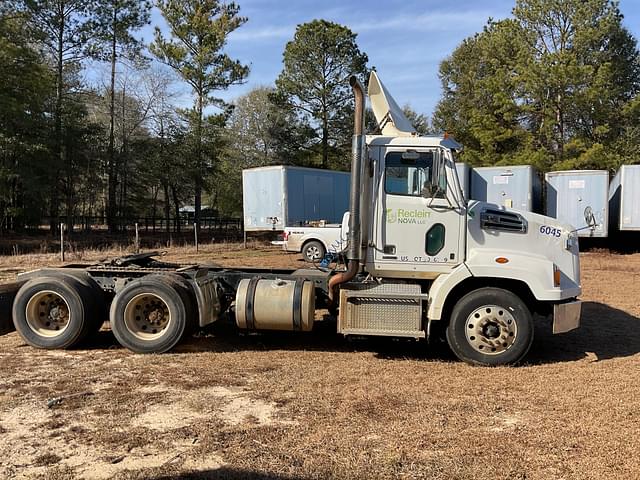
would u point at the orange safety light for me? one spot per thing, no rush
(556, 275)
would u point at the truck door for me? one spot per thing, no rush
(419, 229)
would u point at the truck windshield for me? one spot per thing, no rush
(409, 176)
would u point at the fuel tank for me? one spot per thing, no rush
(275, 304)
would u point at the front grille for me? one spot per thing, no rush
(502, 221)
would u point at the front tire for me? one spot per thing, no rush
(490, 326)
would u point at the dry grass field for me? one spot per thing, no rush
(266, 406)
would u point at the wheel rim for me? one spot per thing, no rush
(491, 329)
(48, 314)
(313, 252)
(147, 316)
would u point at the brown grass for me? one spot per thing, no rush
(225, 405)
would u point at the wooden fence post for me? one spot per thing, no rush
(62, 242)
(137, 239)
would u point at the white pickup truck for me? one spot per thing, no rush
(315, 242)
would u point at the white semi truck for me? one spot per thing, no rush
(418, 256)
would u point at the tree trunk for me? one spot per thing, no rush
(111, 168)
(167, 209)
(124, 160)
(69, 190)
(199, 170)
(176, 205)
(325, 140)
(560, 124)
(58, 153)
(154, 208)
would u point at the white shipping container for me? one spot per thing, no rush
(571, 192)
(281, 196)
(624, 199)
(517, 187)
(464, 175)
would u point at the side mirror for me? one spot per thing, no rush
(434, 185)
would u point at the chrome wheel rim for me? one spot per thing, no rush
(48, 314)
(491, 329)
(147, 316)
(313, 253)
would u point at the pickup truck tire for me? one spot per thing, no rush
(490, 326)
(313, 251)
(150, 315)
(54, 312)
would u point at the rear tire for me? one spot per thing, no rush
(185, 291)
(100, 311)
(150, 315)
(54, 312)
(313, 251)
(490, 326)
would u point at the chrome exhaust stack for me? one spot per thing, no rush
(358, 145)
(354, 251)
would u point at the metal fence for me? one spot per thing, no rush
(146, 224)
(143, 232)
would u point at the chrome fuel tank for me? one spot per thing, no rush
(275, 304)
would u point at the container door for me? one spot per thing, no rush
(419, 229)
(325, 198)
(508, 190)
(569, 195)
(311, 198)
(630, 207)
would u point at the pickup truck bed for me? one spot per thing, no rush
(315, 242)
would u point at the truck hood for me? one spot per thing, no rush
(529, 241)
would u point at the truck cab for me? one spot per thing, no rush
(480, 269)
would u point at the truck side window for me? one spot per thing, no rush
(408, 174)
(435, 239)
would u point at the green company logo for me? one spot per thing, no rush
(400, 215)
(391, 216)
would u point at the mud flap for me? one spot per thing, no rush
(7, 295)
(566, 316)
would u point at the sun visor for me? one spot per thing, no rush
(390, 117)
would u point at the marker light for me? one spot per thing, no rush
(556, 276)
(502, 260)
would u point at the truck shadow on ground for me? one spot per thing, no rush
(229, 473)
(605, 333)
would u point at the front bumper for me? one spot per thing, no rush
(566, 316)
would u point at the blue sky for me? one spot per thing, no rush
(404, 39)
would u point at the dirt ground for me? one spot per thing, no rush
(266, 406)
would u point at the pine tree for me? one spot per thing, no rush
(314, 80)
(113, 22)
(63, 30)
(199, 31)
